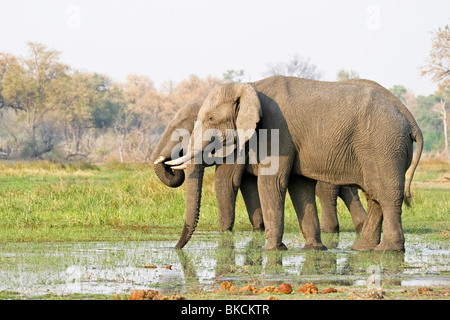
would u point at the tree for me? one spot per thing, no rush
(438, 65)
(438, 68)
(343, 75)
(399, 91)
(233, 76)
(429, 122)
(28, 84)
(77, 94)
(139, 117)
(440, 108)
(6, 60)
(296, 66)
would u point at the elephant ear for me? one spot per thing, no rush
(248, 109)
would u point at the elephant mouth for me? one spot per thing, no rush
(180, 163)
(168, 168)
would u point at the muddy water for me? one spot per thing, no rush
(209, 259)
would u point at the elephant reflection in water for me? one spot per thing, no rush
(307, 264)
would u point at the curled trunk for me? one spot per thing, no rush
(171, 178)
(194, 182)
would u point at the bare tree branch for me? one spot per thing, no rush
(296, 66)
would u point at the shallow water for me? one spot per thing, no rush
(209, 259)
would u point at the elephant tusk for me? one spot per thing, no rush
(179, 161)
(159, 160)
(180, 167)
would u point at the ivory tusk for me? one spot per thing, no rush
(180, 167)
(178, 161)
(159, 160)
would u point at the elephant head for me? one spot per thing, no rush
(227, 107)
(183, 119)
(234, 107)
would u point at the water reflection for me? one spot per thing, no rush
(108, 267)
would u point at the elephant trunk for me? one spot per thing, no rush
(171, 178)
(162, 153)
(193, 197)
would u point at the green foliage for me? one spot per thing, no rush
(105, 111)
(343, 75)
(233, 76)
(46, 201)
(399, 91)
(430, 123)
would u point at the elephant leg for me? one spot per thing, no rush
(371, 230)
(272, 191)
(226, 181)
(302, 192)
(351, 199)
(393, 237)
(327, 194)
(249, 190)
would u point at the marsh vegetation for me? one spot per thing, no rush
(95, 230)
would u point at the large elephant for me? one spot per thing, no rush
(226, 191)
(342, 133)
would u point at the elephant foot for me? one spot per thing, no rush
(316, 246)
(364, 245)
(280, 246)
(390, 246)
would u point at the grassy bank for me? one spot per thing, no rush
(43, 201)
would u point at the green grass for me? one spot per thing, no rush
(44, 201)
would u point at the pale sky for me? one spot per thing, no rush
(385, 41)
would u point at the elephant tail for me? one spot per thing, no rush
(418, 138)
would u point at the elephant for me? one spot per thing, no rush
(341, 133)
(327, 194)
(226, 190)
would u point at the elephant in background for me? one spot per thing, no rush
(226, 191)
(341, 133)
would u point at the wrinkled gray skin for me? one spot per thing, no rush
(226, 191)
(341, 133)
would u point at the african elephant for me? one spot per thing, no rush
(342, 133)
(226, 192)
(226, 189)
